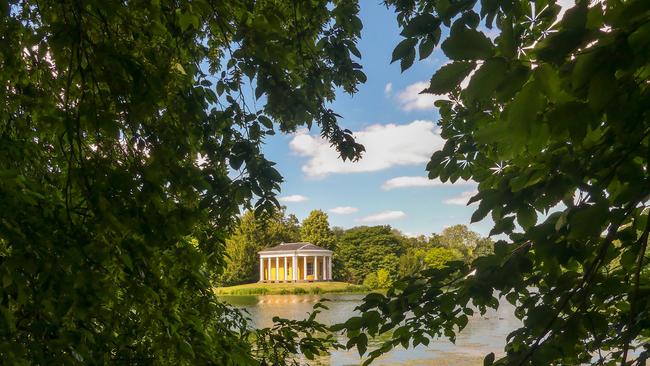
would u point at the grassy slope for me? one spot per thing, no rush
(290, 288)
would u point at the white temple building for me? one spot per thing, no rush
(295, 262)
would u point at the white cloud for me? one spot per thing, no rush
(383, 216)
(461, 199)
(411, 99)
(386, 146)
(293, 198)
(417, 181)
(343, 210)
(388, 88)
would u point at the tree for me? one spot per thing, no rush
(316, 230)
(128, 143)
(279, 228)
(252, 235)
(553, 120)
(462, 239)
(411, 262)
(378, 280)
(484, 247)
(366, 249)
(438, 257)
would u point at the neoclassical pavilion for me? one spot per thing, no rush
(295, 262)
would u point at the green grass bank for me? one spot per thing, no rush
(291, 288)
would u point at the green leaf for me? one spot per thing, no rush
(178, 67)
(588, 221)
(522, 112)
(628, 258)
(506, 40)
(403, 49)
(639, 40)
(353, 323)
(265, 121)
(461, 321)
(486, 79)
(527, 217)
(449, 77)
(467, 44)
(408, 60)
(548, 78)
(426, 47)
(361, 76)
(422, 24)
(489, 359)
(188, 19)
(571, 117)
(362, 343)
(600, 89)
(480, 213)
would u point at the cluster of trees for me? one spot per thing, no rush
(372, 255)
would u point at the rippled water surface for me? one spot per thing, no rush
(483, 334)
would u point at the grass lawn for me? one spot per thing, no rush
(290, 288)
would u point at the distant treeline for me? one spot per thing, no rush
(372, 255)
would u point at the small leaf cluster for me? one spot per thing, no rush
(282, 343)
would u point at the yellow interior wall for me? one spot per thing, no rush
(269, 273)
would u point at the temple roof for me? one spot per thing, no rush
(284, 247)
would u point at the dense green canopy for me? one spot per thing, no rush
(315, 229)
(554, 124)
(366, 249)
(130, 136)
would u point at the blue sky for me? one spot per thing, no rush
(398, 128)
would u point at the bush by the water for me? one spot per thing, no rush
(378, 280)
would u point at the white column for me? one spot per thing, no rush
(324, 268)
(285, 268)
(277, 269)
(268, 269)
(315, 268)
(294, 265)
(329, 266)
(261, 269)
(304, 269)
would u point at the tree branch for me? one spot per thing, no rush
(635, 292)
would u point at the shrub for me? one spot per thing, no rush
(378, 280)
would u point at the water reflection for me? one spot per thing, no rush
(483, 334)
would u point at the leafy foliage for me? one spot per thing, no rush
(366, 249)
(251, 235)
(281, 344)
(464, 241)
(316, 230)
(128, 144)
(554, 126)
(439, 257)
(456, 242)
(378, 280)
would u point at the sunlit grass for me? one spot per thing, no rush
(290, 288)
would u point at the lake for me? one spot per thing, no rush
(483, 334)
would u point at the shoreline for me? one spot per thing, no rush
(302, 288)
